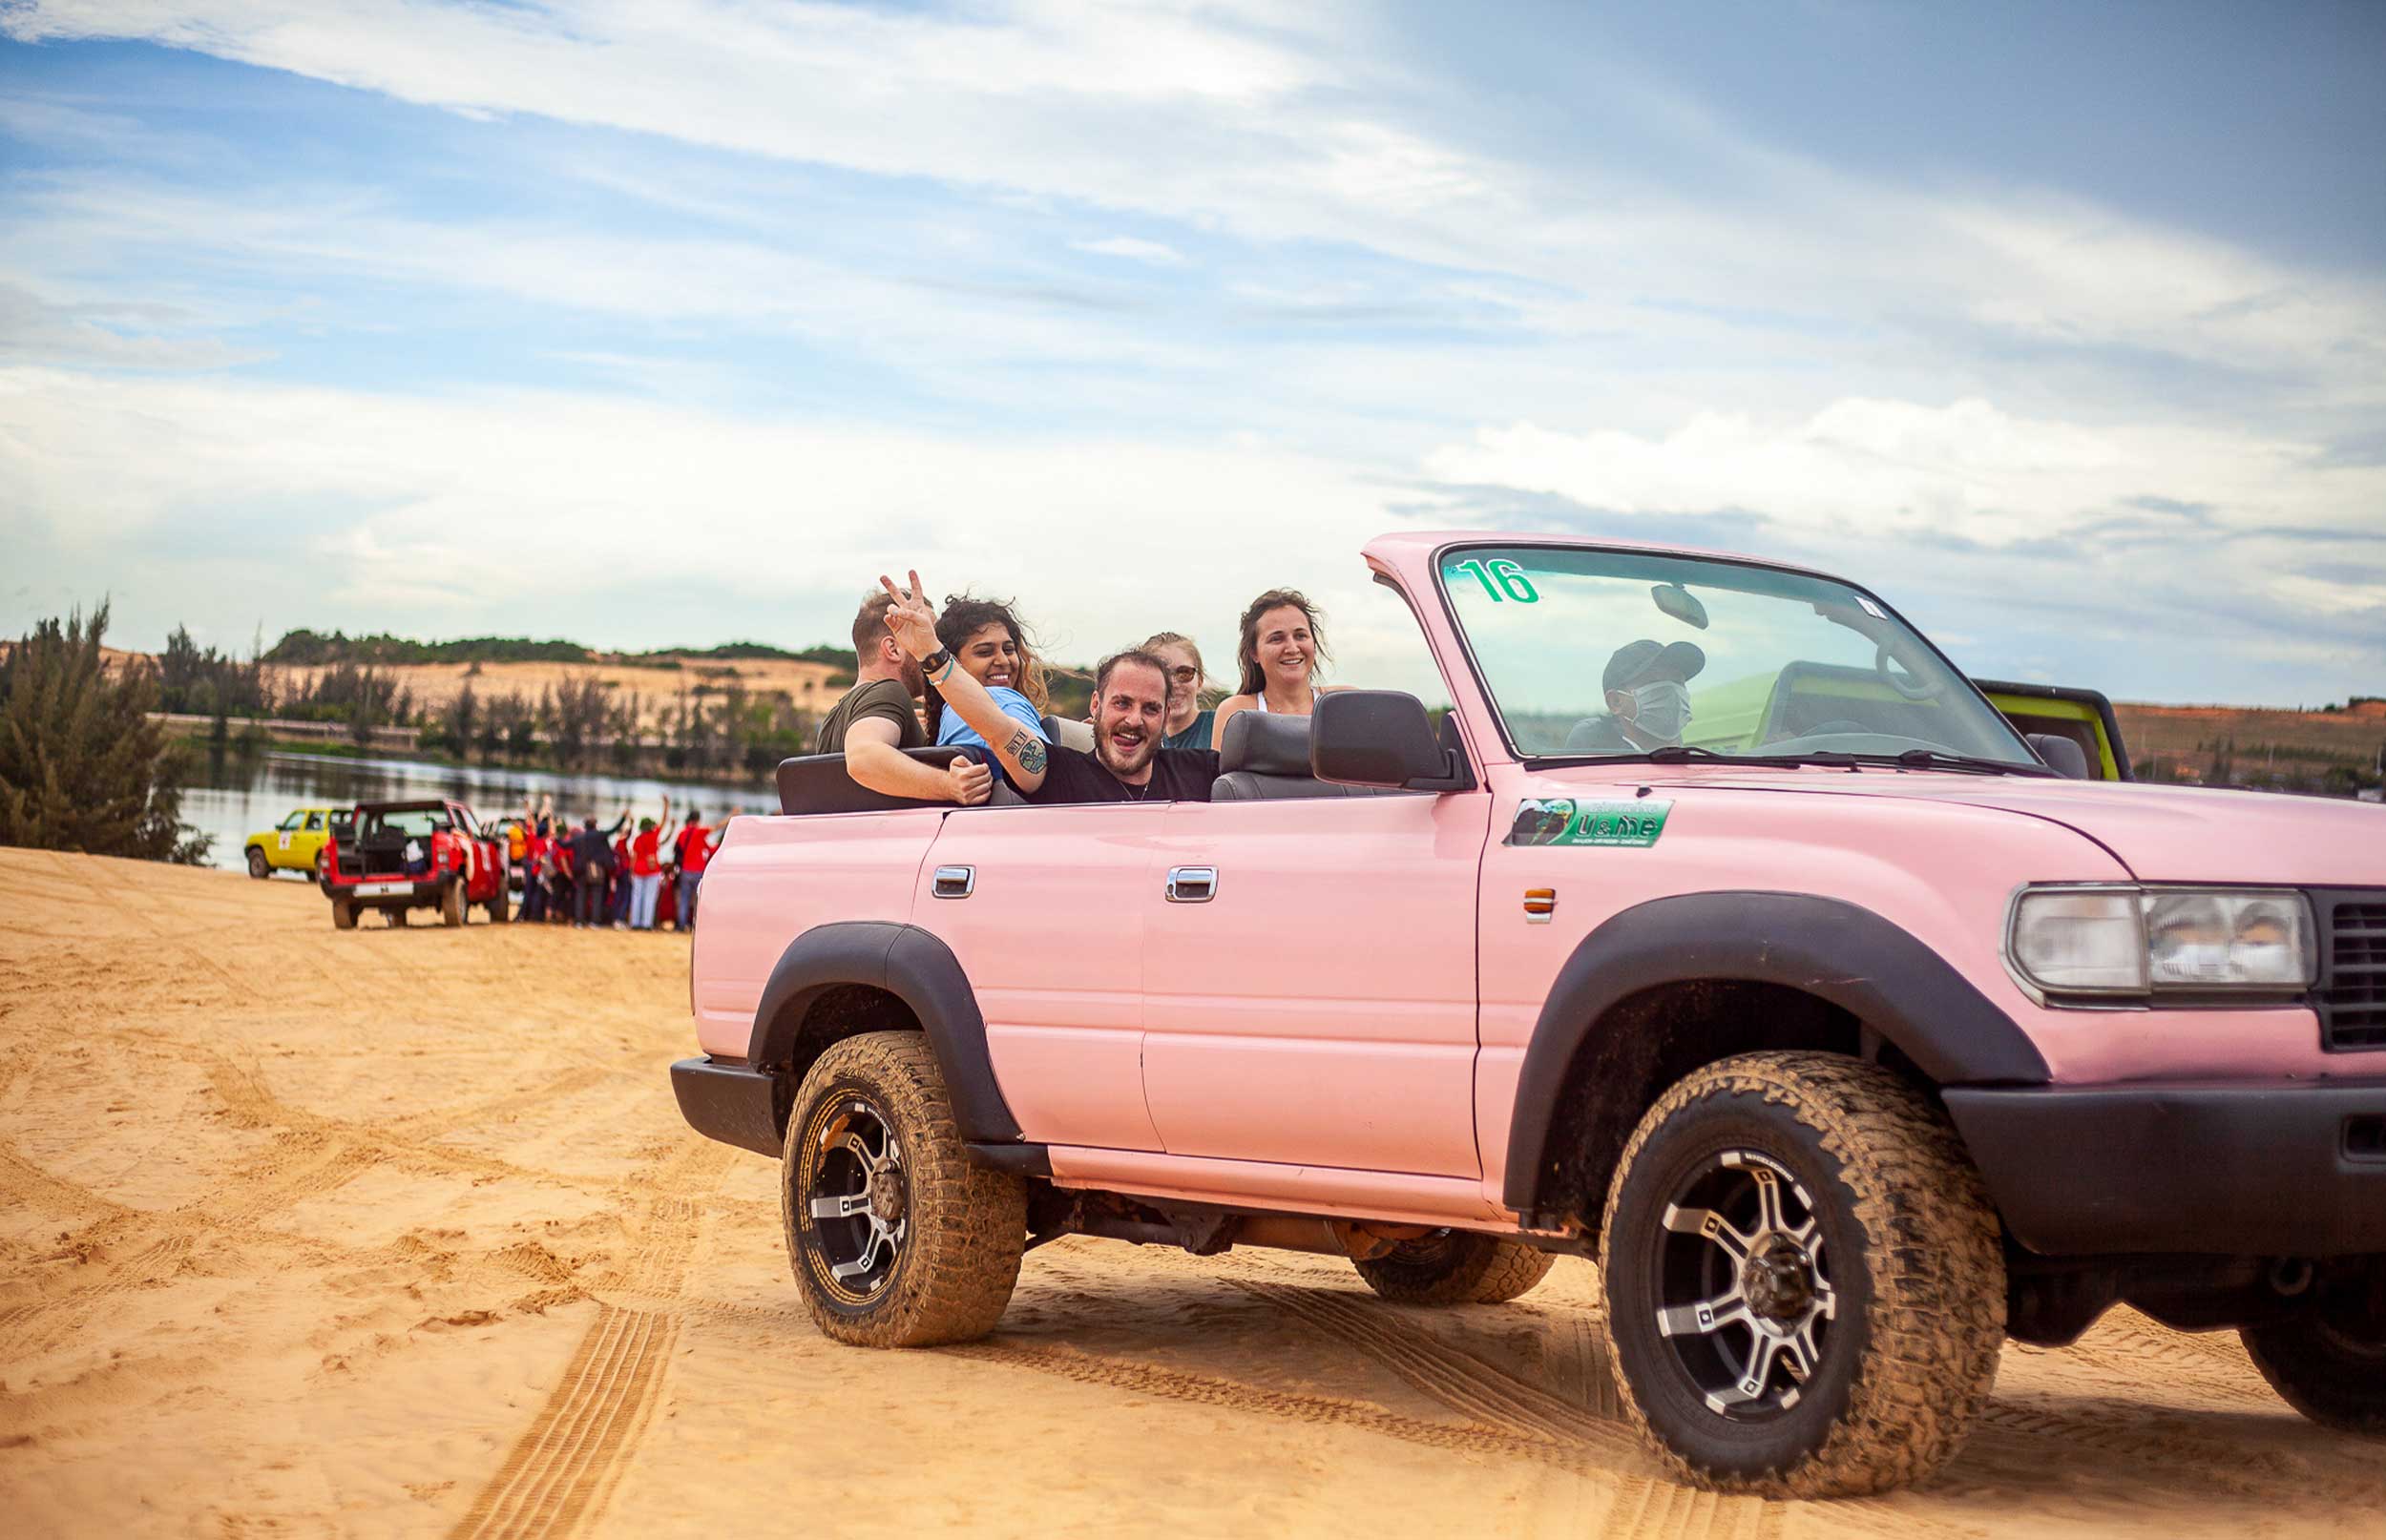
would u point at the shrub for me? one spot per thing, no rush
(82, 767)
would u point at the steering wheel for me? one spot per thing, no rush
(1908, 685)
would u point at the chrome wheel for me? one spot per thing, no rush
(858, 1200)
(1744, 1296)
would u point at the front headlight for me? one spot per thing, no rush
(2133, 941)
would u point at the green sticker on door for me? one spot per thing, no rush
(1564, 821)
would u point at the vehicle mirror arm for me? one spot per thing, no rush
(1457, 775)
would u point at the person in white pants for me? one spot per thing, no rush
(646, 869)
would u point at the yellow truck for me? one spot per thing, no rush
(294, 843)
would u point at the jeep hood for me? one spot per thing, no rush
(2162, 834)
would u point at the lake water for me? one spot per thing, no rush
(233, 796)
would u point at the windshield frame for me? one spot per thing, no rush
(1436, 574)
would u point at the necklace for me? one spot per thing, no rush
(1136, 794)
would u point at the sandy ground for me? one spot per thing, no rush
(399, 1233)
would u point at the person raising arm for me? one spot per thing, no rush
(912, 621)
(874, 723)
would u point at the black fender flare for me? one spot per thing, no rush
(1835, 951)
(917, 969)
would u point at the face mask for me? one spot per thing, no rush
(1661, 710)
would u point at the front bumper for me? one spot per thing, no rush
(728, 1102)
(2284, 1170)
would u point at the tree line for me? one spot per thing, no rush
(303, 647)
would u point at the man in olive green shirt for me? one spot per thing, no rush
(876, 721)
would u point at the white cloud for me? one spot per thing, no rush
(1967, 469)
(423, 511)
(1132, 249)
(1238, 120)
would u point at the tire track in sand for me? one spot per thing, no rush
(1553, 1429)
(1465, 1385)
(564, 1468)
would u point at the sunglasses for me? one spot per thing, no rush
(1184, 673)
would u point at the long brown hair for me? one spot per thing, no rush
(1246, 652)
(963, 618)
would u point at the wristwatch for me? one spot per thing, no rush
(934, 662)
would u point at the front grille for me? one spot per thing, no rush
(2351, 992)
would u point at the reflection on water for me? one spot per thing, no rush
(233, 796)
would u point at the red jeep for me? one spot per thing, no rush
(416, 855)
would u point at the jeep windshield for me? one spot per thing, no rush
(1591, 654)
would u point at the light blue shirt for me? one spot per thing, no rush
(961, 734)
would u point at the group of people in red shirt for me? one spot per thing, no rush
(630, 878)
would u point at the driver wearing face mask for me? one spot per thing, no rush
(1646, 684)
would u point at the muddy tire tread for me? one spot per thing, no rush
(2275, 1359)
(1934, 1338)
(968, 1224)
(1487, 1271)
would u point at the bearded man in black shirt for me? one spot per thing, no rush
(1130, 717)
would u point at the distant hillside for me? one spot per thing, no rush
(303, 647)
(2338, 749)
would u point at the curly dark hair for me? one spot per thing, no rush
(964, 616)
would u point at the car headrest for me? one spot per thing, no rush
(818, 783)
(1266, 744)
(2063, 755)
(1069, 735)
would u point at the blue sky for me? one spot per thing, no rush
(2064, 327)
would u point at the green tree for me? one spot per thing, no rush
(82, 767)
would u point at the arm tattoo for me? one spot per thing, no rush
(1028, 749)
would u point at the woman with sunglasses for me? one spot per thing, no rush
(1188, 726)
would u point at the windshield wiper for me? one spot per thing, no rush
(1693, 754)
(1941, 759)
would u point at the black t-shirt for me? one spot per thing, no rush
(1178, 775)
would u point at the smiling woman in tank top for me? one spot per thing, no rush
(1282, 643)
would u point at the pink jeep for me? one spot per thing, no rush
(1721, 931)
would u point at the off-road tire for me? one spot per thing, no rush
(1909, 1244)
(259, 867)
(1456, 1267)
(2333, 1371)
(500, 908)
(452, 906)
(966, 1227)
(343, 914)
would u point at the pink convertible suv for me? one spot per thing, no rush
(1719, 931)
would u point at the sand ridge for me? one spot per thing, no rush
(398, 1232)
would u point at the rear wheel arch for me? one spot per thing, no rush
(840, 980)
(1664, 989)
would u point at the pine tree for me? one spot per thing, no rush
(82, 767)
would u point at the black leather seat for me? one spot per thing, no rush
(818, 783)
(1266, 759)
(1069, 735)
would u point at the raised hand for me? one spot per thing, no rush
(910, 617)
(967, 781)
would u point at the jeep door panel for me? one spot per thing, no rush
(776, 878)
(1050, 936)
(1318, 1009)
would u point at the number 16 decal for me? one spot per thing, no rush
(1503, 580)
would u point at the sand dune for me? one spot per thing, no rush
(399, 1233)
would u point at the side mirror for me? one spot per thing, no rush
(1382, 738)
